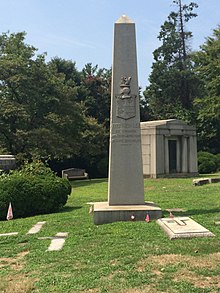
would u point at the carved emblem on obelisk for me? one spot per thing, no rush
(125, 103)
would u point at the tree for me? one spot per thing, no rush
(72, 77)
(37, 115)
(173, 84)
(207, 67)
(97, 93)
(91, 89)
(51, 110)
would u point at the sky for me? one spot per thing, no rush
(82, 30)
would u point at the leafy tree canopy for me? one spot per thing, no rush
(207, 67)
(39, 112)
(173, 84)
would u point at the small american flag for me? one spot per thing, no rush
(147, 219)
(9, 213)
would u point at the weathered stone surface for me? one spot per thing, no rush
(183, 227)
(75, 173)
(201, 181)
(58, 241)
(36, 228)
(126, 185)
(9, 234)
(126, 182)
(176, 210)
(103, 213)
(169, 149)
(215, 180)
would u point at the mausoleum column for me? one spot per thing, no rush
(184, 155)
(178, 163)
(166, 155)
(192, 154)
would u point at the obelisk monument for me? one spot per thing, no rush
(126, 182)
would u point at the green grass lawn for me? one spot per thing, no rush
(118, 257)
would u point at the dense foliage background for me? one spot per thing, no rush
(52, 111)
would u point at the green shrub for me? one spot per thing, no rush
(207, 163)
(36, 168)
(32, 193)
(102, 167)
(218, 161)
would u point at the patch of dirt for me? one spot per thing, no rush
(109, 277)
(114, 262)
(145, 289)
(203, 261)
(146, 188)
(19, 284)
(157, 273)
(197, 280)
(187, 265)
(16, 263)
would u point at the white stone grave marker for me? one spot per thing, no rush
(36, 228)
(183, 227)
(57, 241)
(9, 234)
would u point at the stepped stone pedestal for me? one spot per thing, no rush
(126, 182)
(104, 213)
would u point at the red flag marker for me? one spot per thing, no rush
(147, 219)
(9, 213)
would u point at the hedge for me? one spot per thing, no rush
(207, 163)
(32, 194)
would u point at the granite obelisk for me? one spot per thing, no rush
(126, 183)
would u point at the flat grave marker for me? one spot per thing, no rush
(176, 210)
(183, 227)
(57, 241)
(36, 228)
(9, 234)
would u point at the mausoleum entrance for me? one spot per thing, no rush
(172, 147)
(169, 149)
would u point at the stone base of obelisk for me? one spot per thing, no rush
(104, 213)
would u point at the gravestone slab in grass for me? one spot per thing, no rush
(183, 227)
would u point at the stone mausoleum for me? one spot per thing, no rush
(169, 149)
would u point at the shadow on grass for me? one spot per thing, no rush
(202, 212)
(189, 213)
(68, 209)
(84, 183)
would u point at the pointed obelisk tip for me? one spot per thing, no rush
(124, 19)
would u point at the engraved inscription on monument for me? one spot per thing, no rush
(126, 103)
(125, 183)
(125, 135)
